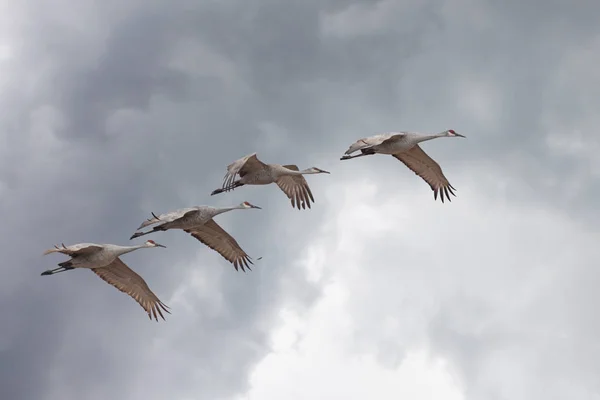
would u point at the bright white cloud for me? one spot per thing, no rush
(412, 284)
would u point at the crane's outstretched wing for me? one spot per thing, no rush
(167, 217)
(215, 237)
(241, 167)
(75, 249)
(296, 188)
(372, 141)
(429, 170)
(128, 281)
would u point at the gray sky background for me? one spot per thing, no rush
(111, 110)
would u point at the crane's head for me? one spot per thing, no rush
(248, 205)
(452, 133)
(152, 243)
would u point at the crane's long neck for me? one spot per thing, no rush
(303, 172)
(307, 172)
(128, 249)
(222, 210)
(424, 137)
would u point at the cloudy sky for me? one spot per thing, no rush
(112, 110)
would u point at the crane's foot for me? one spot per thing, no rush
(364, 153)
(57, 270)
(217, 191)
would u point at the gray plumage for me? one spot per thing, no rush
(198, 222)
(404, 146)
(289, 178)
(104, 261)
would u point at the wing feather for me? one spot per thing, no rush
(75, 249)
(296, 188)
(167, 217)
(429, 170)
(241, 167)
(216, 238)
(119, 275)
(371, 141)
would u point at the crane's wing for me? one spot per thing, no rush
(371, 141)
(296, 188)
(425, 167)
(242, 166)
(75, 249)
(129, 282)
(168, 217)
(212, 235)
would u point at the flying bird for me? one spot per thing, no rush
(198, 221)
(289, 178)
(405, 147)
(104, 261)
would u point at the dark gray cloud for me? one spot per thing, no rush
(112, 111)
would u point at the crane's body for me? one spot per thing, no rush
(91, 255)
(289, 178)
(405, 147)
(270, 173)
(187, 217)
(104, 261)
(198, 221)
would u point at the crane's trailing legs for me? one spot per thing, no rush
(365, 152)
(233, 186)
(156, 228)
(64, 266)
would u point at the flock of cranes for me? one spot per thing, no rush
(104, 259)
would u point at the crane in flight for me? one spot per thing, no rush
(104, 261)
(404, 146)
(289, 178)
(198, 221)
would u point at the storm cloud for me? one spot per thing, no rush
(110, 111)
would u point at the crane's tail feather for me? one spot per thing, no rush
(149, 221)
(57, 249)
(358, 145)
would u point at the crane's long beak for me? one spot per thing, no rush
(459, 135)
(160, 245)
(253, 206)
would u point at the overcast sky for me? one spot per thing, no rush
(112, 110)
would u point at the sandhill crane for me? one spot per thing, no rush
(252, 171)
(404, 146)
(104, 261)
(198, 221)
